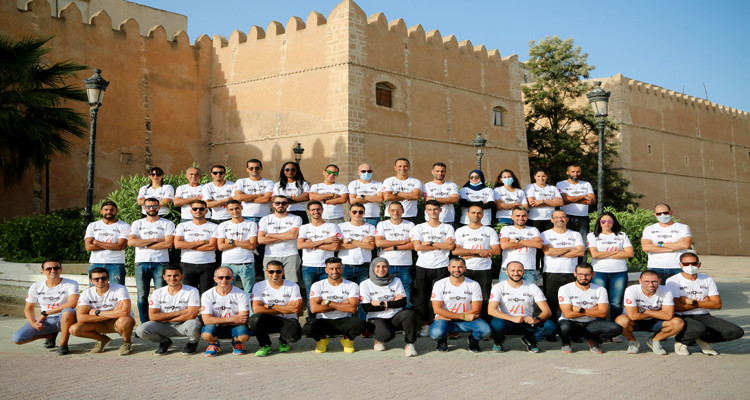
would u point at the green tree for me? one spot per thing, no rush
(560, 126)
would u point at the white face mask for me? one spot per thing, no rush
(664, 218)
(507, 181)
(365, 176)
(690, 269)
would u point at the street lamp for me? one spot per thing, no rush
(599, 99)
(298, 152)
(479, 142)
(95, 87)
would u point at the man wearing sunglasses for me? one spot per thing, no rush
(197, 245)
(225, 309)
(279, 232)
(664, 242)
(217, 193)
(106, 239)
(366, 191)
(57, 298)
(333, 195)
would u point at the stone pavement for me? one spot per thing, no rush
(28, 371)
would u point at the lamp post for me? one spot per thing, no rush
(479, 142)
(95, 87)
(599, 99)
(298, 152)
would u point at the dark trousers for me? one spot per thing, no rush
(319, 328)
(552, 283)
(708, 328)
(199, 276)
(405, 320)
(597, 331)
(484, 279)
(424, 280)
(263, 324)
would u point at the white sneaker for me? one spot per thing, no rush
(706, 348)
(681, 349)
(425, 331)
(379, 346)
(410, 350)
(655, 345)
(633, 347)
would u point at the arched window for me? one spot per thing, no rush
(384, 94)
(497, 116)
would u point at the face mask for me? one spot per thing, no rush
(664, 218)
(690, 270)
(475, 184)
(366, 176)
(507, 181)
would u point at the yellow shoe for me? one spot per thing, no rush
(348, 345)
(322, 345)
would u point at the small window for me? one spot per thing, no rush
(497, 116)
(384, 94)
(649, 149)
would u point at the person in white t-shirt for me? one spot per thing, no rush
(584, 306)
(197, 245)
(237, 239)
(543, 199)
(275, 303)
(694, 294)
(104, 308)
(217, 193)
(106, 239)
(383, 298)
(520, 243)
(649, 307)
(445, 193)
(577, 196)
(334, 300)
(561, 247)
(366, 191)
(508, 194)
(476, 193)
(189, 192)
(57, 298)
(156, 189)
(457, 301)
(225, 309)
(152, 238)
(319, 240)
(255, 193)
(279, 232)
(172, 312)
(404, 189)
(393, 237)
(511, 307)
(293, 185)
(610, 249)
(333, 195)
(664, 242)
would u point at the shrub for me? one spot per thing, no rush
(34, 238)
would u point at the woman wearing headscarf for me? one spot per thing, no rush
(476, 193)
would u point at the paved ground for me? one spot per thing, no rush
(26, 371)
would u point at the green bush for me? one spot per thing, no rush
(34, 238)
(633, 221)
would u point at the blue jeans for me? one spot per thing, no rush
(226, 331)
(666, 273)
(402, 272)
(615, 283)
(50, 325)
(532, 333)
(529, 275)
(144, 272)
(116, 272)
(244, 272)
(311, 275)
(440, 328)
(372, 221)
(254, 219)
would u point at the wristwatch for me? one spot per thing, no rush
(641, 310)
(694, 303)
(395, 247)
(231, 241)
(349, 240)
(270, 306)
(97, 312)
(383, 304)
(582, 310)
(361, 196)
(518, 240)
(660, 243)
(326, 303)
(395, 192)
(43, 313)
(205, 242)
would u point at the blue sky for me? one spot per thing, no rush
(679, 45)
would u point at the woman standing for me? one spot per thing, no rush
(543, 199)
(610, 248)
(476, 193)
(508, 194)
(292, 184)
(156, 190)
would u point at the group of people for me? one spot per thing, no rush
(376, 277)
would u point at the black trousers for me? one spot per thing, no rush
(319, 328)
(424, 280)
(199, 276)
(597, 331)
(552, 283)
(484, 279)
(263, 324)
(708, 328)
(405, 320)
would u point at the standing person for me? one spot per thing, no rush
(476, 193)
(366, 191)
(157, 190)
(292, 184)
(106, 239)
(394, 239)
(508, 194)
(279, 232)
(57, 298)
(445, 193)
(542, 199)
(520, 243)
(255, 193)
(318, 240)
(356, 247)
(225, 309)
(191, 191)
(610, 249)
(404, 189)
(561, 248)
(333, 195)
(217, 193)
(152, 238)
(665, 241)
(197, 245)
(237, 239)
(577, 196)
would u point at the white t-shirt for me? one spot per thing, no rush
(609, 242)
(249, 186)
(369, 291)
(525, 255)
(516, 301)
(548, 192)
(575, 296)
(408, 185)
(216, 193)
(357, 255)
(159, 229)
(447, 189)
(634, 297)
(107, 301)
(191, 232)
(699, 289)
(581, 188)
(556, 264)
(668, 234)
(166, 303)
(456, 299)
(272, 224)
(436, 258)
(187, 192)
(291, 190)
(337, 294)
(161, 193)
(508, 197)
(226, 306)
(241, 232)
(477, 239)
(317, 257)
(389, 231)
(108, 233)
(357, 187)
(485, 195)
(331, 211)
(266, 294)
(51, 297)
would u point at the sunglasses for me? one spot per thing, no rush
(275, 271)
(290, 169)
(280, 203)
(218, 172)
(254, 168)
(152, 174)
(607, 222)
(334, 173)
(663, 213)
(694, 263)
(103, 278)
(222, 278)
(198, 208)
(357, 212)
(53, 268)
(365, 170)
(150, 207)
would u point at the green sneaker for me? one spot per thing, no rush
(284, 347)
(263, 351)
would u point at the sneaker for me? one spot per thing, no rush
(99, 345)
(124, 349)
(238, 348)
(681, 349)
(498, 348)
(633, 347)
(566, 349)
(163, 348)
(379, 346)
(706, 348)
(442, 345)
(615, 339)
(348, 345)
(50, 343)
(62, 350)
(263, 351)
(284, 347)
(367, 333)
(213, 349)
(322, 345)
(425, 331)
(655, 345)
(594, 347)
(410, 350)
(473, 344)
(530, 346)
(189, 348)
